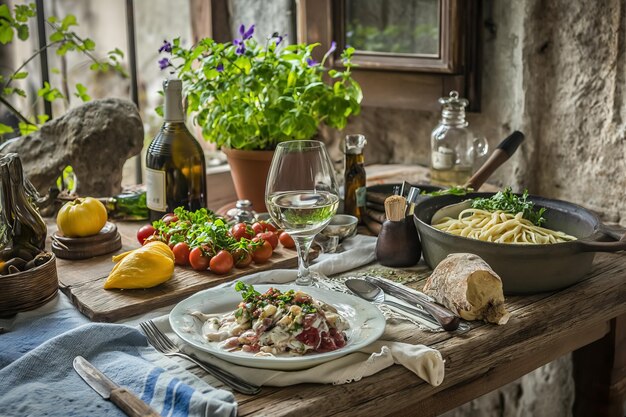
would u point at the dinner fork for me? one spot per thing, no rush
(163, 344)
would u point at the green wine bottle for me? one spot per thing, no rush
(127, 206)
(175, 166)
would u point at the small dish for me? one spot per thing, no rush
(342, 226)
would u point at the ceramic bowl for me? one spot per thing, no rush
(342, 226)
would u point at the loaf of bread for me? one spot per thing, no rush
(468, 286)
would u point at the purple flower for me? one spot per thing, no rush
(166, 47)
(311, 62)
(164, 63)
(279, 38)
(220, 67)
(241, 47)
(246, 34)
(332, 48)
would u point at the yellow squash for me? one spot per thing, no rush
(146, 267)
(82, 217)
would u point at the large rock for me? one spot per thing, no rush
(95, 139)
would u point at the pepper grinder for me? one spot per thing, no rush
(398, 244)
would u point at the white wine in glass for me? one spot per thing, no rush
(302, 195)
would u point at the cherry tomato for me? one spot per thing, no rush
(270, 237)
(199, 259)
(242, 257)
(145, 232)
(241, 230)
(181, 253)
(258, 228)
(222, 263)
(286, 240)
(169, 218)
(261, 253)
(269, 227)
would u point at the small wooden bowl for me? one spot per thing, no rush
(106, 241)
(29, 289)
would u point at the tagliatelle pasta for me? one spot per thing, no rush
(499, 227)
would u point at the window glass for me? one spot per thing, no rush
(393, 26)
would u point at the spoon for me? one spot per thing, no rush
(372, 292)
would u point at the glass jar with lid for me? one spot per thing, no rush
(454, 147)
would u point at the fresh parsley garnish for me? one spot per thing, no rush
(248, 293)
(456, 190)
(510, 203)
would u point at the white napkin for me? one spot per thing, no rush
(423, 361)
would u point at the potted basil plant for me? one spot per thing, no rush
(248, 96)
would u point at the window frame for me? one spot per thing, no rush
(408, 82)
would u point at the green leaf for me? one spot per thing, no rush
(81, 92)
(42, 118)
(53, 19)
(27, 128)
(89, 45)
(19, 75)
(95, 66)
(6, 33)
(22, 32)
(5, 13)
(57, 36)
(55, 71)
(4, 129)
(69, 20)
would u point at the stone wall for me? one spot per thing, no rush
(557, 72)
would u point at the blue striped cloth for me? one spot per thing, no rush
(37, 377)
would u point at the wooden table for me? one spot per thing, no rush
(587, 319)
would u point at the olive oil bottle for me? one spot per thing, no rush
(354, 176)
(175, 166)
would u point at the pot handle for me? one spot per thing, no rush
(593, 246)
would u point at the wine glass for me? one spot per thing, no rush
(301, 196)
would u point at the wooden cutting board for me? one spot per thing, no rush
(82, 280)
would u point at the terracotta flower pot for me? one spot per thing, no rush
(249, 170)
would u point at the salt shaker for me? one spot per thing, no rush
(242, 212)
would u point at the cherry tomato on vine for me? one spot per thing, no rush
(222, 262)
(286, 240)
(241, 230)
(181, 253)
(258, 228)
(263, 252)
(169, 218)
(269, 227)
(270, 237)
(199, 259)
(145, 232)
(242, 257)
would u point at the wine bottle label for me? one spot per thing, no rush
(155, 190)
(360, 197)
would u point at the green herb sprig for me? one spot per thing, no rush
(510, 203)
(248, 293)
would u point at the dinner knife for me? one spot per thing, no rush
(109, 390)
(446, 318)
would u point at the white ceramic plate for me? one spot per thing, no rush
(366, 325)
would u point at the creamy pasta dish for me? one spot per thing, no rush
(275, 323)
